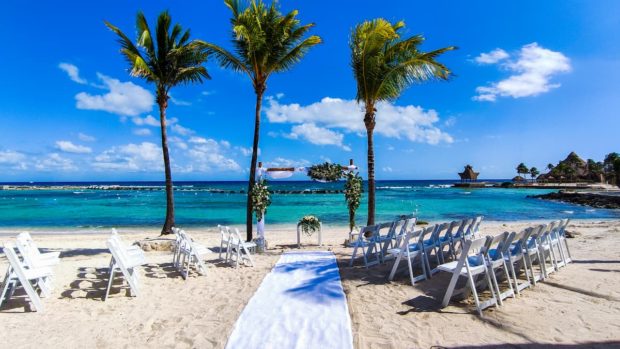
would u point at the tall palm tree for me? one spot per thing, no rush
(167, 59)
(265, 42)
(384, 64)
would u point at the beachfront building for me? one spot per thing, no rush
(468, 174)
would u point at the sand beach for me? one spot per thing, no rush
(579, 305)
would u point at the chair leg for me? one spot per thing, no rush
(107, 291)
(394, 267)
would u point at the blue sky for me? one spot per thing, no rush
(533, 81)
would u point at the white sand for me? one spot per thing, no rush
(580, 304)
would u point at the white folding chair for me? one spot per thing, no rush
(191, 253)
(366, 243)
(497, 265)
(531, 253)
(126, 264)
(556, 244)
(31, 254)
(470, 266)
(516, 256)
(224, 241)
(563, 241)
(546, 247)
(384, 240)
(446, 240)
(18, 275)
(428, 244)
(409, 248)
(474, 229)
(240, 249)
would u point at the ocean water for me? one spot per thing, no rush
(199, 204)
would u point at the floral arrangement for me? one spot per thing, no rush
(325, 172)
(353, 195)
(261, 198)
(309, 224)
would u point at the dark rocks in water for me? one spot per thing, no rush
(585, 199)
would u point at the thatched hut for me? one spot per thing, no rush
(468, 175)
(518, 179)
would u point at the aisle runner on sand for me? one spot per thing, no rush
(299, 304)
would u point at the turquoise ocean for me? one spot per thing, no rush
(206, 204)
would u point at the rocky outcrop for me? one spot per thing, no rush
(598, 200)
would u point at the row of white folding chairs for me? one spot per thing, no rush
(237, 250)
(373, 246)
(188, 253)
(488, 260)
(416, 246)
(124, 260)
(33, 272)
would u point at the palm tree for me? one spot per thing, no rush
(384, 64)
(166, 60)
(265, 42)
(534, 172)
(522, 169)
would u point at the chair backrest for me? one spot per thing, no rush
(440, 231)
(427, 233)
(463, 227)
(368, 232)
(235, 236)
(474, 227)
(27, 249)
(388, 226)
(453, 225)
(398, 226)
(520, 241)
(118, 253)
(224, 233)
(563, 224)
(501, 243)
(535, 234)
(14, 263)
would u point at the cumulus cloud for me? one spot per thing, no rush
(86, 138)
(148, 120)
(317, 135)
(492, 57)
(179, 102)
(142, 132)
(247, 151)
(408, 122)
(69, 147)
(209, 155)
(122, 98)
(283, 162)
(73, 72)
(145, 156)
(54, 162)
(183, 131)
(532, 71)
(13, 159)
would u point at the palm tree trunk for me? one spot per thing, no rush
(248, 216)
(162, 100)
(369, 121)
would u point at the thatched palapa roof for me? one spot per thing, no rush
(468, 174)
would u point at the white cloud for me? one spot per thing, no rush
(148, 120)
(69, 147)
(73, 72)
(86, 138)
(145, 156)
(123, 98)
(207, 93)
(15, 160)
(532, 72)
(208, 155)
(183, 131)
(492, 57)
(409, 122)
(247, 151)
(54, 162)
(387, 169)
(179, 102)
(283, 162)
(142, 132)
(317, 135)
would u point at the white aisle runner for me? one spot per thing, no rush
(299, 304)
